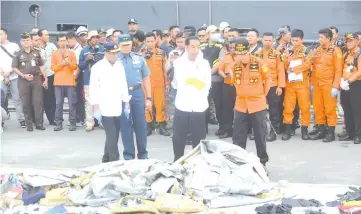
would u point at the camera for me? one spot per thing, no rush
(340, 43)
(148, 55)
(291, 51)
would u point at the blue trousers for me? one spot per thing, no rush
(137, 122)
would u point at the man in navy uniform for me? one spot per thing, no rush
(137, 74)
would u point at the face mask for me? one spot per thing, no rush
(215, 37)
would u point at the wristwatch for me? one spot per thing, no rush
(149, 98)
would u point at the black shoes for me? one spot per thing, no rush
(330, 135)
(149, 129)
(271, 136)
(304, 133)
(22, 124)
(357, 140)
(40, 127)
(287, 133)
(72, 126)
(162, 129)
(345, 137)
(319, 133)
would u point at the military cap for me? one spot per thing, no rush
(102, 31)
(25, 35)
(242, 46)
(281, 32)
(124, 39)
(350, 36)
(111, 47)
(134, 21)
(165, 32)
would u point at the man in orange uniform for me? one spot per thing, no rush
(64, 65)
(326, 63)
(252, 82)
(273, 60)
(297, 88)
(156, 61)
(229, 92)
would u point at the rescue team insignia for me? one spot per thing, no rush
(253, 80)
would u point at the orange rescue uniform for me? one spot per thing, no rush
(272, 59)
(326, 65)
(298, 91)
(159, 81)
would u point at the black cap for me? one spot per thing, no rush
(102, 31)
(25, 35)
(350, 36)
(111, 47)
(242, 46)
(134, 21)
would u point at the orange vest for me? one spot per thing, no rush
(250, 89)
(156, 64)
(276, 67)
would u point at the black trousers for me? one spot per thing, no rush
(216, 94)
(228, 102)
(31, 95)
(80, 104)
(49, 100)
(351, 104)
(187, 124)
(112, 128)
(275, 108)
(259, 125)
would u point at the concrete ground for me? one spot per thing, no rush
(294, 160)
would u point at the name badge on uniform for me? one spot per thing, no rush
(136, 60)
(33, 63)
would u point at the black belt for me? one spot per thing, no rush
(134, 87)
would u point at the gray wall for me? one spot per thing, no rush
(265, 16)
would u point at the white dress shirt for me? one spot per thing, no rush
(77, 49)
(189, 98)
(6, 59)
(108, 87)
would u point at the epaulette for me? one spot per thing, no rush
(36, 48)
(203, 45)
(218, 45)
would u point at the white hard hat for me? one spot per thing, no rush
(223, 25)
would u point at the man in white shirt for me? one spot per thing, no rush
(192, 74)
(49, 94)
(108, 91)
(9, 79)
(80, 105)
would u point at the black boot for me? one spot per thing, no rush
(40, 127)
(72, 126)
(287, 132)
(320, 134)
(330, 136)
(58, 127)
(226, 134)
(162, 130)
(149, 129)
(304, 133)
(314, 130)
(357, 140)
(345, 137)
(271, 136)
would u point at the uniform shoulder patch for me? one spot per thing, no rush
(203, 45)
(218, 45)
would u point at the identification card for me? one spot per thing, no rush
(33, 63)
(293, 77)
(294, 63)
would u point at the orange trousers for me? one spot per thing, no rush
(324, 105)
(300, 96)
(158, 105)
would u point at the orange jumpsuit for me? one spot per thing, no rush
(326, 65)
(158, 80)
(298, 91)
